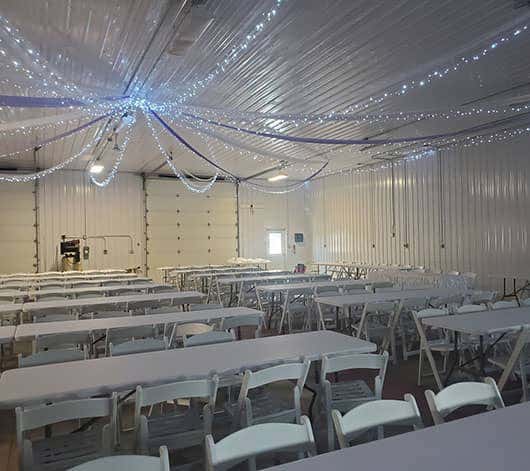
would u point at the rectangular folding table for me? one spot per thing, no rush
(86, 378)
(491, 441)
(30, 331)
(483, 324)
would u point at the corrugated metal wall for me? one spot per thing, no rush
(465, 209)
(69, 204)
(259, 212)
(17, 230)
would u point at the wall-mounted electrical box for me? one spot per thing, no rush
(86, 252)
(298, 238)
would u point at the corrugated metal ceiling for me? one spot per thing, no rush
(316, 56)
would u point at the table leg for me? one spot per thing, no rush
(455, 361)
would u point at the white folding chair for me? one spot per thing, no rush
(52, 356)
(406, 326)
(438, 341)
(67, 450)
(73, 340)
(250, 442)
(377, 323)
(257, 404)
(251, 320)
(459, 395)
(375, 414)
(183, 427)
(327, 315)
(138, 346)
(128, 463)
(468, 308)
(187, 330)
(109, 314)
(208, 338)
(344, 395)
(125, 334)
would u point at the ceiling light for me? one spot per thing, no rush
(278, 177)
(96, 168)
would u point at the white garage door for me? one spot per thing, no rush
(17, 230)
(186, 228)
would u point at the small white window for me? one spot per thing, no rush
(275, 243)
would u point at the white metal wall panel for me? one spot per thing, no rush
(186, 228)
(463, 209)
(260, 212)
(17, 230)
(69, 204)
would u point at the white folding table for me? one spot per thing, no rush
(308, 287)
(256, 280)
(67, 283)
(86, 378)
(483, 324)
(491, 441)
(30, 331)
(103, 290)
(177, 298)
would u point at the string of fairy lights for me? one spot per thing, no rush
(247, 135)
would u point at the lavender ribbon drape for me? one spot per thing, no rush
(18, 101)
(188, 145)
(316, 140)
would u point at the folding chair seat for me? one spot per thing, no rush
(208, 338)
(375, 414)
(233, 324)
(258, 404)
(60, 452)
(52, 356)
(128, 462)
(257, 440)
(467, 308)
(459, 395)
(175, 426)
(504, 305)
(343, 395)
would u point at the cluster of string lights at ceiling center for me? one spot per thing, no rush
(229, 128)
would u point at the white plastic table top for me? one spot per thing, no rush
(7, 333)
(94, 289)
(260, 279)
(29, 331)
(63, 273)
(240, 274)
(358, 299)
(8, 308)
(311, 285)
(178, 297)
(104, 375)
(491, 441)
(209, 270)
(70, 277)
(484, 322)
(75, 282)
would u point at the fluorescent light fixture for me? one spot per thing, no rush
(96, 168)
(278, 177)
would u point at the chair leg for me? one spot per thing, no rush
(331, 430)
(420, 366)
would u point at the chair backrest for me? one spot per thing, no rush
(379, 307)
(52, 356)
(356, 361)
(57, 341)
(430, 312)
(49, 297)
(163, 310)
(504, 305)
(204, 307)
(466, 308)
(127, 333)
(193, 328)
(482, 297)
(419, 302)
(375, 414)
(89, 294)
(208, 338)
(164, 289)
(35, 417)
(137, 346)
(257, 440)
(129, 462)
(249, 320)
(463, 394)
(48, 317)
(110, 314)
(286, 371)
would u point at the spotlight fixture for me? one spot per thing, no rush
(96, 168)
(278, 177)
